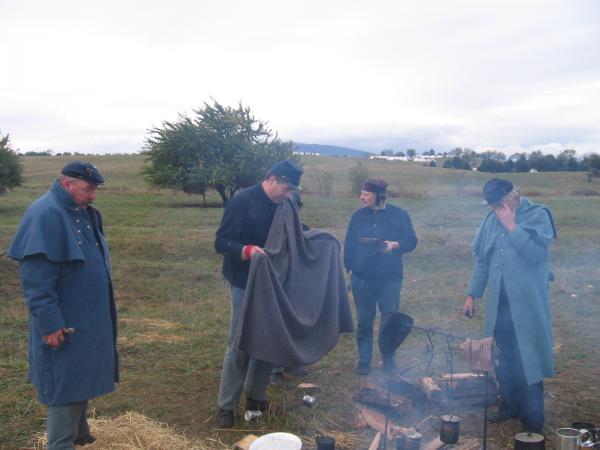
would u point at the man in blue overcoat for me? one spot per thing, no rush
(512, 258)
(67, 285)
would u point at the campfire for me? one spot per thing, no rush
(420, 400)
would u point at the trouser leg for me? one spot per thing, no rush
(235, 363)
(510, 369)
(366, 307)
(256, 387)
(64, 424)
(532, 416)
(389, 303)
(83, 427)
(238, 367)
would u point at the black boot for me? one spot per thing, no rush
(257, 405)
(225, 418)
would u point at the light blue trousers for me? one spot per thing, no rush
(240, 368)
(66, 424)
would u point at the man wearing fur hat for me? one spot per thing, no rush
(512, 258)
(378, 235)
(67, 285)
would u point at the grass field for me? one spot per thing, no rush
(174, 307)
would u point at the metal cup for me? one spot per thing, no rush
(449, 429)
(568, 439)
(252, 415)
(325, 443)
(309, 400)
(409, 441)
(590, 431)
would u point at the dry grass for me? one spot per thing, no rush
(134, 431)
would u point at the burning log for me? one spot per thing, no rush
(373, 395)
(469, 444)
(375, 443)
(468, 386)
(436, 444)
(376, 421)
(431, 389)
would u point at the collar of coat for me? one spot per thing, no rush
(534, 218)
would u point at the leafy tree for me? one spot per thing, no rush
(401, 154)
(520, 160)
(491, 165)
(387, 152)
(220, 147)
(358, 174)
(594, 165)
(411, 152)
(457, 162)
(11, 170)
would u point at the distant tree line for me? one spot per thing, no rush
(497, 162)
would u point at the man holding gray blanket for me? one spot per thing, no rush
(288, 299)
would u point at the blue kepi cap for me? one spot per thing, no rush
(83, 171)
(288, 170)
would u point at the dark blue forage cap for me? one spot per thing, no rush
(288, 170)
(83, 171)
(495, 189)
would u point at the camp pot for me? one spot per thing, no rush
(325, 443)
(529, 441)
(409, 441)
(590, 430)
(568, 439)
(449, 428)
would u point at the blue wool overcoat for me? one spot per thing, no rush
(522, 260)
(66, 279)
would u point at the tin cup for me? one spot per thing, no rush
(309, 400)
(252, 415)
(325, 443)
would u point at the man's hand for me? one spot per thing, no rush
(469, 307)
(56, 339)
(250, 250)
(506, 216)
(390, 245)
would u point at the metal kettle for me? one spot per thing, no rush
(529, 441)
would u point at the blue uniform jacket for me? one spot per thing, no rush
(66, 279)
(521, 260)
(366, 259)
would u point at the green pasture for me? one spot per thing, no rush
(174, 305)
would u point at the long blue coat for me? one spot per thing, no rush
(66, 279)
(522, 260)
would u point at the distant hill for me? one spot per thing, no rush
(330, 150)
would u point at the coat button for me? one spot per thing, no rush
(79, 231)
(76, 209)
(88, 227)
(77, 220)
(79, 242)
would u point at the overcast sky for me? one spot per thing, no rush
(509, 75)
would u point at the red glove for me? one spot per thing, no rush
(248, 250)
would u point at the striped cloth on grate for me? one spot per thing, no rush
(480, 353)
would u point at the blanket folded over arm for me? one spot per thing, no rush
(296, 305)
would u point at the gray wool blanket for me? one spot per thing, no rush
(296, 305)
